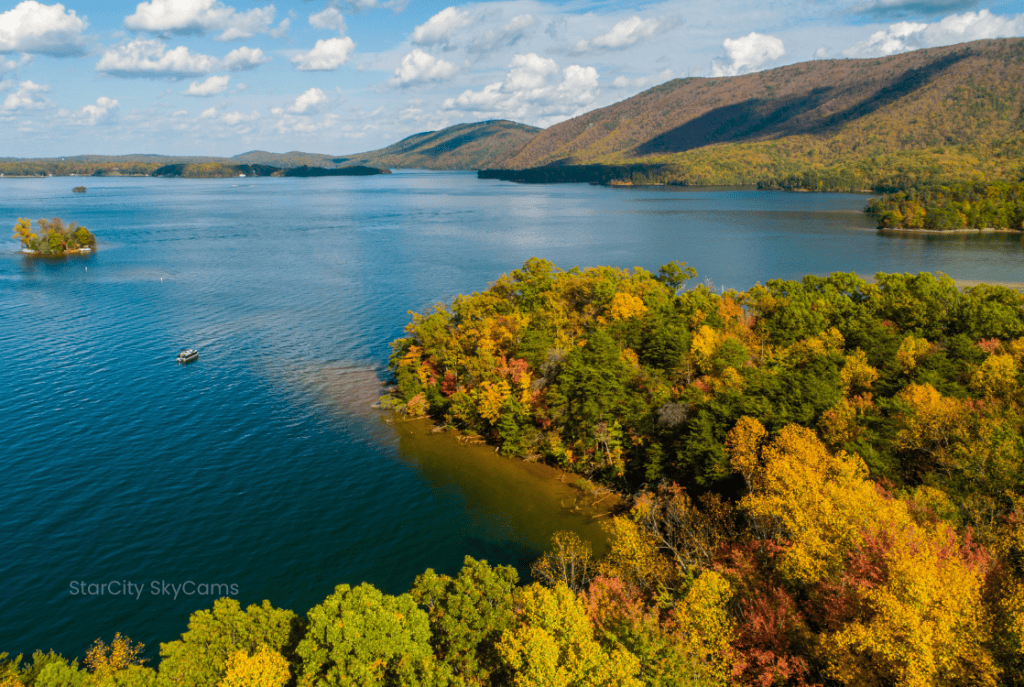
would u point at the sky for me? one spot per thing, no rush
(223, 77)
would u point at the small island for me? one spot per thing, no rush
(54, 238)
(78, 189)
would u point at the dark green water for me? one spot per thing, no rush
(261, 465)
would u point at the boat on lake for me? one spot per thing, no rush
(188, 355)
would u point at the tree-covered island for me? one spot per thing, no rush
(54, 237)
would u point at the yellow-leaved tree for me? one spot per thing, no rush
(264, 668)
(901, 600)
(553, 644)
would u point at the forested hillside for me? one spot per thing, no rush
(941, 114)
(463, 146)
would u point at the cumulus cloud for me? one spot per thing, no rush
(440, 28)
(208, 113)
(32, 27)
(281, 29)
(956, 28)
(420, 67)
(530, 91)
(29, 96)
(326, 55)
(311, 102)
(200, 17)
(291, 124)
(748, 53)
(103, 112)
(241, 59)
(212, 86)
(234, 118)
(330, 18)
(626, 33)
(504, 37)
(149, 58)
(642, 81)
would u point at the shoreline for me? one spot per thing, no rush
(962, 283)
(938, 232)
(591, 500)
(36, 254)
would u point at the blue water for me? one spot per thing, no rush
(262, 465)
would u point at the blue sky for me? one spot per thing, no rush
(222, 77)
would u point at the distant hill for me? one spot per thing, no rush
(951, 112)
(463, 146)
(284, 160)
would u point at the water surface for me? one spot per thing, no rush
(261, 465)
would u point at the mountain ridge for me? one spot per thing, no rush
(908, 110)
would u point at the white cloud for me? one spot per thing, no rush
(311, 102)
(200, 17)
(626, 33)
(956, 28)
(748, 53)
(441, 27)
(529, 93)
(32, 27)
(281, 29)
(420, 67)
(244, 58)
(291, 124)
(503, 37)
(821, 53)
(326, 55)
(149, 58)
(29, 96)
(642, 81)
(212, 86)
(209, 113)
(233, 118)
(103, 112)
(330, 18)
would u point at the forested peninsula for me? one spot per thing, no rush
(823, 481)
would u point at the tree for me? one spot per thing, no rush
(553, 644)
(467, 615)
(569, 560)
(264, 668)
(23, 232)
(363, 637)
(200, 657)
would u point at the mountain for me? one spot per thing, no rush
(463, 146)
(951, 112)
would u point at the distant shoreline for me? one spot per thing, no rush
(967, 230)
(964, 283)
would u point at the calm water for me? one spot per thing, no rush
(261, 465)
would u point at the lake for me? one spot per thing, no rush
(262, 465)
